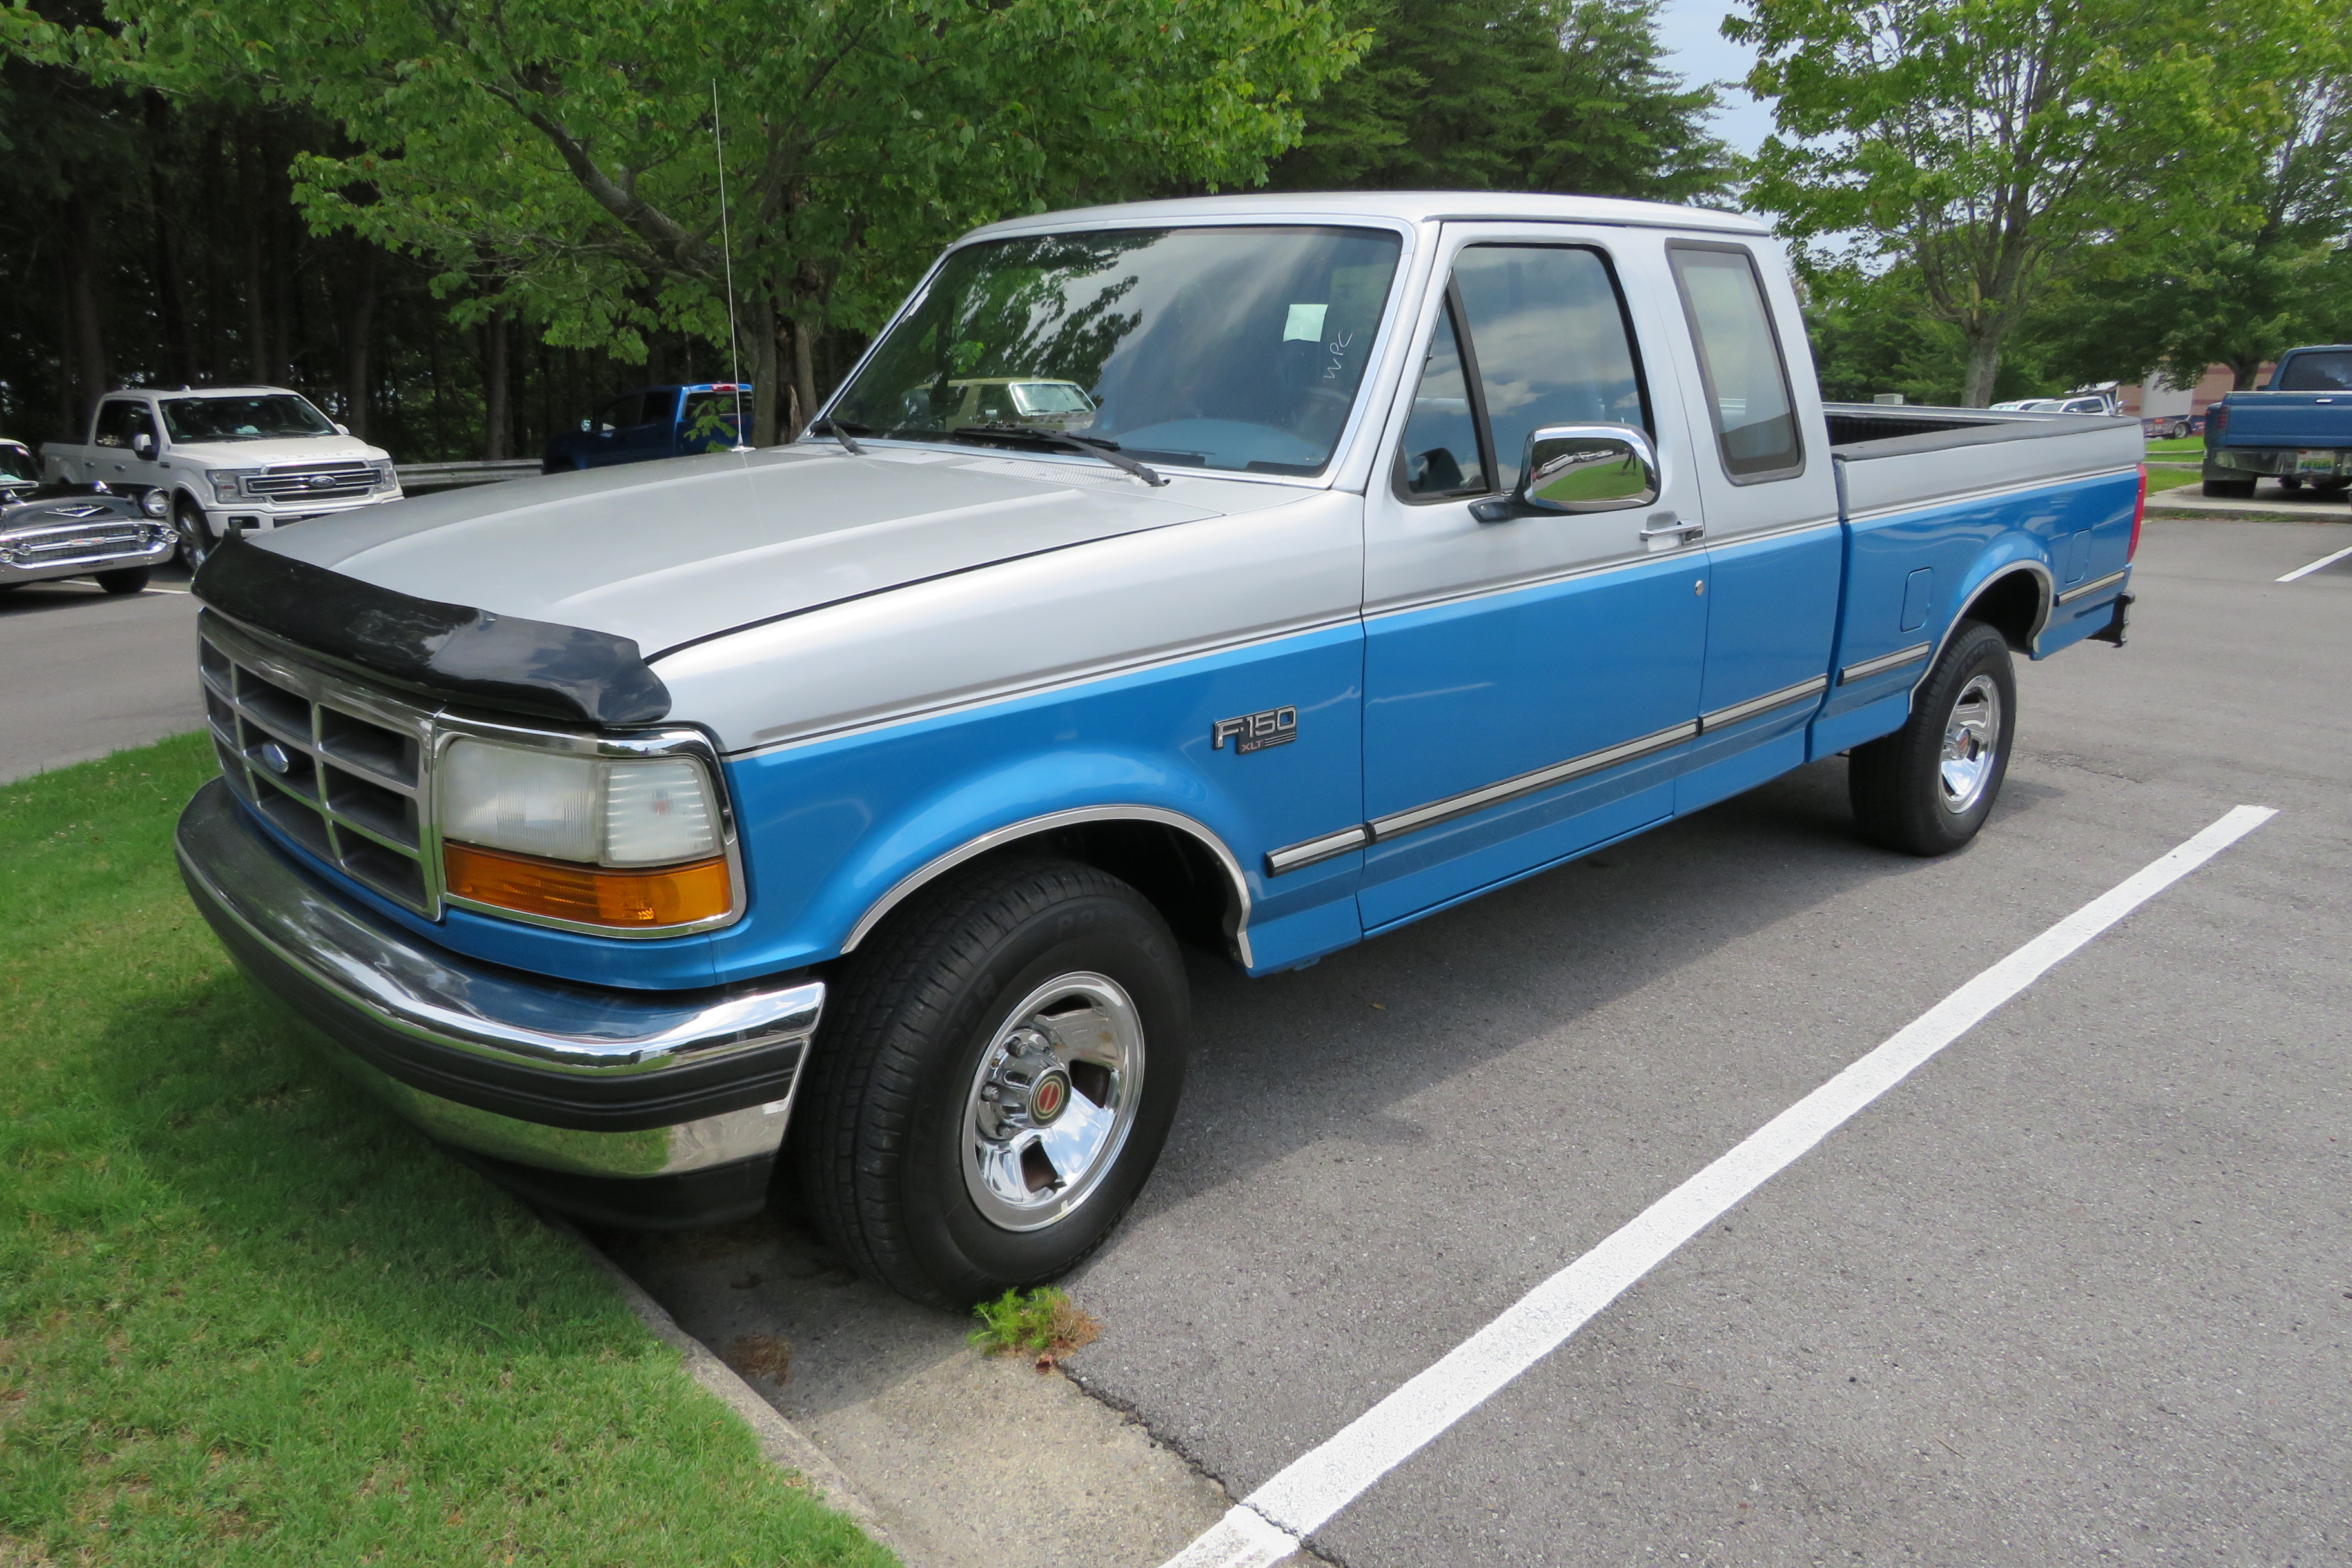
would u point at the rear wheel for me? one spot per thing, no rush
(1926, 788)
(1001, 1067)
(2241, 489)
(2289, 482)
(125, 580)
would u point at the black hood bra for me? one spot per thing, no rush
(506, 662)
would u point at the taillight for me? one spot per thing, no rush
(2139, 513)
(2217, 423)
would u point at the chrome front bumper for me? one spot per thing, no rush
(571, 1081)
(85, 565)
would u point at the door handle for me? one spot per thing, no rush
(1664, 522)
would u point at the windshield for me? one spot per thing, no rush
(255, 418)
(15, 463)
(1218, 348)
(2318, 372)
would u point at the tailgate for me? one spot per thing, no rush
(2297, 419)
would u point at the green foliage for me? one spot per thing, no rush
(1518, 95)
(1991, 144)
(248, 1318)
(2249, 292)
(1044, 1322)
(559, 161)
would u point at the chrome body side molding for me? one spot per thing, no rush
(1399, 823)
(1884, 662)
(2111, 580)
(1291, 857)
(1764, 704)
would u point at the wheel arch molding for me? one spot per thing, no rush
(1178, 863)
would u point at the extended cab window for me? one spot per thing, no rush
(622, 413)
(1740, 359)
(1541, 339)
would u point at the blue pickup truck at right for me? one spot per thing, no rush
(2297, 430)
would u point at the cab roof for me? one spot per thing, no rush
(1409, 206)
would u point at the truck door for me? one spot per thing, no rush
(1530, 685)
(609, 429)
(1775, 545)
(119, 421)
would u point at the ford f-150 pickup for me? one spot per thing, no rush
(841, 807)
(224, 461)
(2298, 430)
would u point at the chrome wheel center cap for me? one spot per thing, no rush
(1049, 1097)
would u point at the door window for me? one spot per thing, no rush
(622, 412)
(119, 421)
(1740, 359)
(1541, 338)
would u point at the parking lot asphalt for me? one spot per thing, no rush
(87, 674)
(2079, 1289)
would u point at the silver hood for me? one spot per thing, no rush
(671, 553)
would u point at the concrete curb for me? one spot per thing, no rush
(782, 1443)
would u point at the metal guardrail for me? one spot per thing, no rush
(416, 477)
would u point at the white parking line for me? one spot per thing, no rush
(2316, 565)
(1268, 1524)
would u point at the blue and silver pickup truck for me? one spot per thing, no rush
(2297, 430)
(654, 422)
(835, 814)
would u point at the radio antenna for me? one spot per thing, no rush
(727, 254)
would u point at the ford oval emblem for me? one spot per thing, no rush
(274, 757)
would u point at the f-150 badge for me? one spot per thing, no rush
(1255, 731)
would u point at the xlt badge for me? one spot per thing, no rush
(1255, 731)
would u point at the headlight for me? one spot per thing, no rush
(385, 478)
(631, 843)
(228, 484)
(154, 503)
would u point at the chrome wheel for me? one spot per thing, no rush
(1972, 745)
(1053, 1100)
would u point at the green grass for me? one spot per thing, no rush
(246, 1317)
(2192, 446)
(2173, 478)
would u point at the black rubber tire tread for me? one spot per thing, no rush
(188, 520)
(123, 580)
(2239, 489)
(853, 1134)
(1893, 781)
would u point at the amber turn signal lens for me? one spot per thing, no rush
(590, 895)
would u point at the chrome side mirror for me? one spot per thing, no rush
(143, 444)
(1577, 468)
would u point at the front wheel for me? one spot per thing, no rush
(196, 534)
(1926, 788)
(1001, 1068)
(123, 580)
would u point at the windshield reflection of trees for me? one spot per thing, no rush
(1228, 348)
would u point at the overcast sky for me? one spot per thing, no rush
(1692, 29)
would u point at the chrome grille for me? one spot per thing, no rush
(314, 481)
(338, 767)
(73, 541)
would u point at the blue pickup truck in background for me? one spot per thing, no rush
(654, 422)
(2298, 430)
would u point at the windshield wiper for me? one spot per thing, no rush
(841, 433)
(1089, 446)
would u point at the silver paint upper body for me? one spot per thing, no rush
(802, 591)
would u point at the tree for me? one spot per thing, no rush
(1524, 95)
(1990, 144)
(557, 162)
(2242, 295)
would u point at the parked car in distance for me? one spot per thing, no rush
(47, 532)
(224, 459)
(2298, 430)
(1040, 401)
(654, 422)
(2172, 426)
(610, 824)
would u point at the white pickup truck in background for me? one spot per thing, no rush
(224, 459)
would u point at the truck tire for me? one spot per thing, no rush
(1926, 788)
(2241, 489)
(994, 1081)
(196, 534)
(2290, 482)
(123, 580)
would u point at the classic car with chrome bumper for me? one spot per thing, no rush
(48, 532)
(641, 1108)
